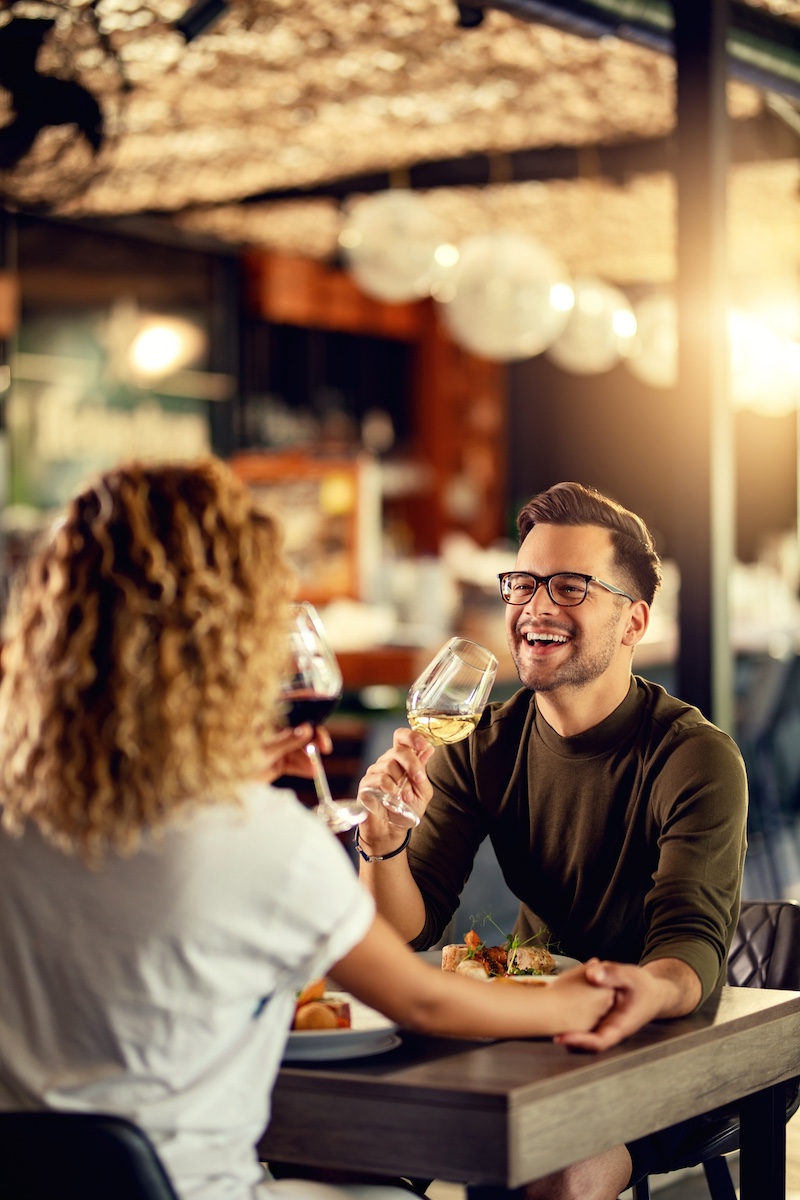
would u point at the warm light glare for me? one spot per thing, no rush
(164, 345)
(155, 350)
(446, 255)
(623, 323)
(562, 297)
(763, 365)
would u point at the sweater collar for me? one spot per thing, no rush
(619, 725)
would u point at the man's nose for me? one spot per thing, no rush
(540, 598)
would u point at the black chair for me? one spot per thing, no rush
(78, 1156)
(768, 733)
(765, 953)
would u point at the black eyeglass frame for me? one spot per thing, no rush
(546, 580)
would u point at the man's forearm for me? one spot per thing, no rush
(681, 992)
(662, 988)
(396, 895)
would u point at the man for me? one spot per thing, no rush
(617, 813)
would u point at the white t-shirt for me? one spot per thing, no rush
(162, 986)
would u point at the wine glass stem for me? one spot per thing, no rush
(397, 794)
(321, 785)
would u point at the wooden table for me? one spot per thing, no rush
(496, 1115)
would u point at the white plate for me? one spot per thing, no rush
(562, 961)
(336, 1043)
(371, 1033)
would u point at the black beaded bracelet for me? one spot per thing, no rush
(381, 857)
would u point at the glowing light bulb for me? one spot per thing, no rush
(164, 345)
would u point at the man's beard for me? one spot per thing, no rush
(581, 668)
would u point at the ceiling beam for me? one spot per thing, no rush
(760, 139)
(761, 48)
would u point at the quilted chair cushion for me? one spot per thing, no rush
(766, 946)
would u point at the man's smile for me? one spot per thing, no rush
(543, 641)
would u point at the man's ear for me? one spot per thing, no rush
(638, 619)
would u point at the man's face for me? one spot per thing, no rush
(551, 646)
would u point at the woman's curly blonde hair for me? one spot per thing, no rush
(143, 656)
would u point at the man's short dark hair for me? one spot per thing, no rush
(575, 504)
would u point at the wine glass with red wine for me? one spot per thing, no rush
(311, 690)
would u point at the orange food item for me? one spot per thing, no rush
(315, 1015)
(313, 1011)
(312, 991)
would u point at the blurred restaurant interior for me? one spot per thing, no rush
(406, 264)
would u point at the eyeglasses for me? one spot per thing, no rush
(567, 588)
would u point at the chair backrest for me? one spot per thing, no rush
(78, 1156)
(765, 951)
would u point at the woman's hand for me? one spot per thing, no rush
(666, 987)
(582, 1004)
(285, 751)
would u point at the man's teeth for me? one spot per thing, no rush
(532, 638)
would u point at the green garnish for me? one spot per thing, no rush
(513, 942)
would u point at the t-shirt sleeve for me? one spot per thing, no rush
(315, 908)
(331, 908)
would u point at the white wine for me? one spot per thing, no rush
(442, 728)
(444, 704)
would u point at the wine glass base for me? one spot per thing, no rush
(341, 815)
(403, 818)
(399, 814)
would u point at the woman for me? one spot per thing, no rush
(160, 908)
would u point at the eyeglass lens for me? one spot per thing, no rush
(565, 590)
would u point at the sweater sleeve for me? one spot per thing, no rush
(470, 780)
(444, 845)
(700, 803)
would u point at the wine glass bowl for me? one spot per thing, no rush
(444, 704)
(310, 691)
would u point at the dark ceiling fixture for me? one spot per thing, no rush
(60, 131)
(39, 100)
(200, 17)
(469, 17)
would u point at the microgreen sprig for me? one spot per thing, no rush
(513, 941)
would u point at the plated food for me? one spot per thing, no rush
(367, 1031)
(316, 1009)
(522, 964)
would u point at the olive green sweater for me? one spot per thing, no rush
(626, 841)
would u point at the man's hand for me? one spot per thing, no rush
(666, 987)
(401, 768)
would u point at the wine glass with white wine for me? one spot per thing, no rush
(444, 704)
(310, 691)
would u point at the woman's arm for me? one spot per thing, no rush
(381, 971)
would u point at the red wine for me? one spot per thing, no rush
(308, 707)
